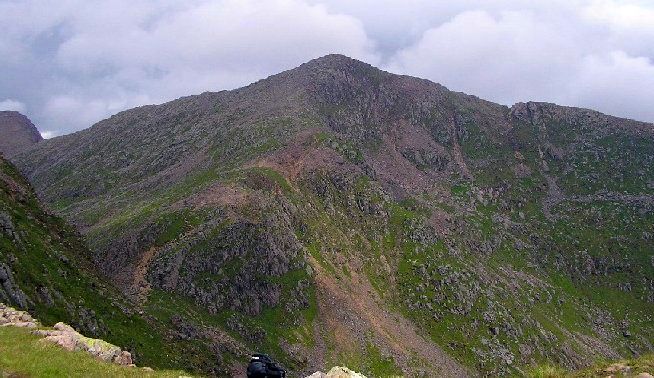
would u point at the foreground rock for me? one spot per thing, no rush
(337, 372)
(66, 337)
(69, 339)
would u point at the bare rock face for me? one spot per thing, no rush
(17, 133)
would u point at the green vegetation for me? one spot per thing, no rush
(623, 368)
(369, 362)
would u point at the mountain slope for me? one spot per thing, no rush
(17, 133)
(339, 214)
(44, 267)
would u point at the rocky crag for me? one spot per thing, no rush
(17, 133)
(336, 214)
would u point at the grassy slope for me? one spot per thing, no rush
(634, 367)
(24, 354)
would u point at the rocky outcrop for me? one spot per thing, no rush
(17, 133)
(69, 339)
(65, 336)
(10, 317)
(9, 291)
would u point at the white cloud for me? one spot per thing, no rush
(506, 58)
(14, 105)
(68, 110)
(48, 134)
(522, 55)
(617, 83)
(621, 14)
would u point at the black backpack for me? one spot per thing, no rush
(262, 366)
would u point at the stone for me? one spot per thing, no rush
(617, 368)
(65, 340)
(124, 358)
(100, 349)
(63, 327)
(337, 372)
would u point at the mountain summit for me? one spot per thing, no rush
(337, 213)
(17, 133)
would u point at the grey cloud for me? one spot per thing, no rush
(72, 63)
(523, 55)
(14, 105)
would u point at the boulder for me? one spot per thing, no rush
(337, 372)
(69, 339)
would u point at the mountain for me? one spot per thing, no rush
(17, 133)
(44, 268)
(337, 214)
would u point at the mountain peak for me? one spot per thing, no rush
(334, 59)
(17, 133)
(338, 62)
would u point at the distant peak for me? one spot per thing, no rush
(17, 133)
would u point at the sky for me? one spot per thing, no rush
(67, 64)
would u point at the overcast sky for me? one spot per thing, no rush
(70, 63)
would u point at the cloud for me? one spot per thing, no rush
(47, 134)
(507, 58)
(521, 55)
(617, 83)
(75, 62)
(14, 105)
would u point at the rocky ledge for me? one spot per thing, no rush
(65, 336)
(337, 372)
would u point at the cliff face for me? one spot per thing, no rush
(339, 213)
(17, 133)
